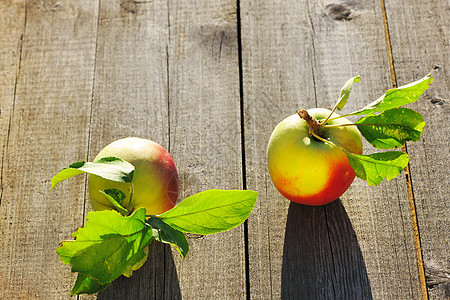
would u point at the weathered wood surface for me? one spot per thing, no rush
(130, 99)
(205, 111)
(171, 75)
(361, 245)
(49, 124)
(11, 33)
(77, 75)
(420, 43)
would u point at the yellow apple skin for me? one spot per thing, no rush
(309, 171)
(155, 178)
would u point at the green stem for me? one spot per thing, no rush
(328, 142)
(357, 156)
(131, 195)
(338, 125)
(332, 144)
(329, 116)
(326, 120)
(338, 117)
(362, 124)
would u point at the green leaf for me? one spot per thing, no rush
(345, 92)
(108, 245)
(375, 167)
(116, 198)
(211, 211)
(111, 168)
(397, 97)
(391, 128)
(166, 234)
(87, 285)
(116, 194)
(138, 265)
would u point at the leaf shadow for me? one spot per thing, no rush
(321, 255)
(156, 279)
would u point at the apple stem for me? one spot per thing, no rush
(314, 126)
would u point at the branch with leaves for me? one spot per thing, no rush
(115, 242)
(385, 125)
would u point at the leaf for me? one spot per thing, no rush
(111, 168)
(138, 265)
(391, 128)
(211, 211)
(116, 194)
(87, 285)
(375, 167)
(345, 92)
(116, 198)
(397, 97)
(168, 235)
(108, 245)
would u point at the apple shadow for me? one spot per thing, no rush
(321, 255)
(156, 279)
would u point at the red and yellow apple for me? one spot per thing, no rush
(307, 170)
(155, 179)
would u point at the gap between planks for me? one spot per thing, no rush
(86, 180)
(412, 204)
(242, 116)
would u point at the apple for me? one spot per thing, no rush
(305, 169)
(155, 179)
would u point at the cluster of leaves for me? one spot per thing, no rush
(385, 125)
(115, 242)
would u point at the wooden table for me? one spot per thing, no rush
(209, 80)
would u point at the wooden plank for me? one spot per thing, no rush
(181, 89)
(49, 128)
(205, 136)
(297, 56)
(130, 99)
(420, 44)
(11, 31)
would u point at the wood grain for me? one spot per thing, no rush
(277, 76)
(77, 75)
(169, 72)
(11, 32)
(420, 44)
(130, 99)
(298, 56)
(49, 129)
(205, 136)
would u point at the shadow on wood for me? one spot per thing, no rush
(156, 279)
(321, 255)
